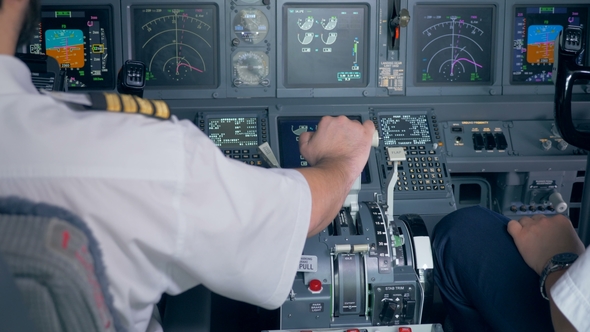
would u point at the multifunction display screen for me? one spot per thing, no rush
(454, 44)
(399, 130)
(535, 33)
(80, 38)
(178, 44)
(290, 128)
(325, 46)
(233, 132)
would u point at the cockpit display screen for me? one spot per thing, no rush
(535, 32)
(233, 132)
(290, 128)
(454, 44)
(80, 38)
(325, 45)
(400, 130)
(178, 44)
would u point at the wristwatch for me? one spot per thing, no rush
(558, 262)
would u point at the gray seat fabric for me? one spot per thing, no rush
(57, 267)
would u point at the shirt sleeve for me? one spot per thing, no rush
(571, 293)
(241, 228)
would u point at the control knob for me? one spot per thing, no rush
(546, 145)
(562, 145)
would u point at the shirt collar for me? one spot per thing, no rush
(15, 76)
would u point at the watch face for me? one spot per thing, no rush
(565, 258)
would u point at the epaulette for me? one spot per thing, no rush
(113, 102)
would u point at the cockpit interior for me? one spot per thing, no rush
(463, 95)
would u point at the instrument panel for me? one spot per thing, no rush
(304, 49)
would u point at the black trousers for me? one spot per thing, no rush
(484, 282)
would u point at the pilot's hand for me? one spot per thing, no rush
(338, 139)
(539, 238)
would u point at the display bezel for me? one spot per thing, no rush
(493, 40)
(215, 39)
(514, 8)
(363, 82)
(109, 82)
(283, 151)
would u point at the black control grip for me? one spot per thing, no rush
(131, 78)
(565, 72)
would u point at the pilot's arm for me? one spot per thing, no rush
(540, 238)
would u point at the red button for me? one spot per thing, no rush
(315, 285)
(405, 329)
(353, 330)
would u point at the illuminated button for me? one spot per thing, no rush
(245, 151)
(227, 151)
(405, 329)
(413, 152)
(421, 147)
(237, 157)
(422, 152)
(246, 156)
(315, 286)
(415, 188)
(236, 151)
(421, 187)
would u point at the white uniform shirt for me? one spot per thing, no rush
(168, 209)
(571, 293)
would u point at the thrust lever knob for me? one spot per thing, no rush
(558, 203)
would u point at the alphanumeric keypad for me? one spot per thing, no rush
(422, 170)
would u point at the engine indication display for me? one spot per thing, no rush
(535, 33)
(178, 44)
(80, 39)
(290, 128)
(454, 44)
(325, 46)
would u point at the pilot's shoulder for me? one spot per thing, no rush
(113, 102)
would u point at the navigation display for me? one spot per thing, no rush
(399, 130)
(454, 44)
(535, 32)
(80, 38)
(325, 45)
(290, 128)
(233, 132)
(178, 44)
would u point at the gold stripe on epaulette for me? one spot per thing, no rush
(129, 104)
(162, 110)
(145, 106)
(113, 102)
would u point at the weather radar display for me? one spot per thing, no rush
(325, 45)
(178, 44)
(535, 33)
(454, 44)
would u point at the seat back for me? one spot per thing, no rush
(56, 265)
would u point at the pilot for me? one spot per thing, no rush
(168, 209)
(493, 273)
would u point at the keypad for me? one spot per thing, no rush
(422, 170)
